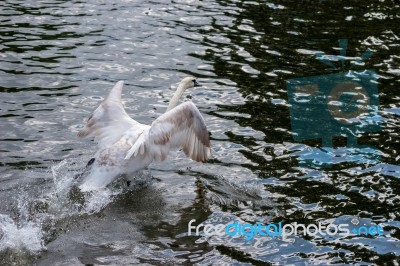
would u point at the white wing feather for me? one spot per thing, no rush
(181, 127)
(109, 121)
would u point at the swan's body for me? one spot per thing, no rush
(127, 146)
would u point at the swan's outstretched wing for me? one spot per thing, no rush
(183, 127)
(109, 121)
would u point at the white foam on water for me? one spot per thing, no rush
(27, 236)
(97, 200)
(64, 179)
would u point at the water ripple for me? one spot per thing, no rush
(60, 58)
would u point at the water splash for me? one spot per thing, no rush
(19, 244)
(27, 236)
(66, 200)
(39, 220)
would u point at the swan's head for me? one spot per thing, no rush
(186, 83)
(189, 82)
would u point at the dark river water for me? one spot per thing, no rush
(277, 155)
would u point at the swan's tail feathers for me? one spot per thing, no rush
(109, 122)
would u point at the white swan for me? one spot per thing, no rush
(127, 146)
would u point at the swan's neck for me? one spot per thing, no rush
(175, 99)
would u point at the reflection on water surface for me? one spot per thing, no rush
(59, 59)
